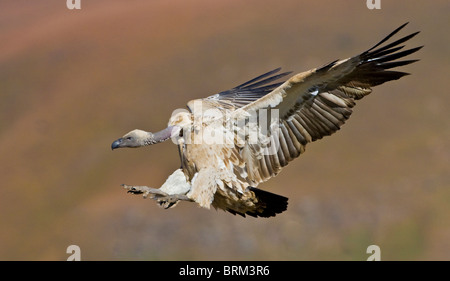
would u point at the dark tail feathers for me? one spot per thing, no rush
(269, 204)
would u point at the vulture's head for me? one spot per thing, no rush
(138, 138)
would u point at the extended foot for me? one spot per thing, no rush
(164, 200)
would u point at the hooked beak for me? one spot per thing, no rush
(116, 144)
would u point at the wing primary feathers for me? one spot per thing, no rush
(249, 91)
(393, 44)
(385, 52)
(265, 81)
(373, 64)
(395, 55)
(387, 37)
(390, 51)
(388, 65)
(254, 82)
(259, 77)
(265, 88)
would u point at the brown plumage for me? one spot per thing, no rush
(232, 141)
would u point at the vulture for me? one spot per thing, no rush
(232, 141)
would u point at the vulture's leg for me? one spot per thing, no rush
(171, 200)
(168, 195)
(165, 200)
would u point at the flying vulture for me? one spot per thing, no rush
(232, 141)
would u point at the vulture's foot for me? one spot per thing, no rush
(164, 200)
(170, 201)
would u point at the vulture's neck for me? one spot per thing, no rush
(158, 137)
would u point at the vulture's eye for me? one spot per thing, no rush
(129, 138)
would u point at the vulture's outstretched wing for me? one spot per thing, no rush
(314, 104)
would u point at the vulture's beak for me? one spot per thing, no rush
(116, 144)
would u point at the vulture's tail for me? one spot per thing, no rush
(262, 204)
(269, 204)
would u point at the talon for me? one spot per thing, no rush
(167, 201)
(134, 191)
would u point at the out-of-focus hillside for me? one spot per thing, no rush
(72, 81)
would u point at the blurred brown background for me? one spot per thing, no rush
(72, 81)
